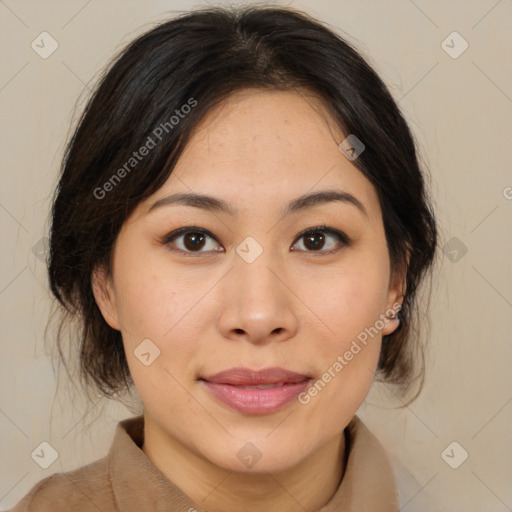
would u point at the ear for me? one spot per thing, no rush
(396, 294)
(103, 292)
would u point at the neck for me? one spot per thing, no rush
(220, 490)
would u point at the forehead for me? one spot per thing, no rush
(267, 147)
(263, 131)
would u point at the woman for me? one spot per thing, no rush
(241, 227)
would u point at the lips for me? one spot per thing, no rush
(268, 377)
(256, 392)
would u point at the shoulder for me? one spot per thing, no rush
(83, 489)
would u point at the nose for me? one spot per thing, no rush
(258, 305)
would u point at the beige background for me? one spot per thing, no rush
(460, 110)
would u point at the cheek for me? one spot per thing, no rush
(157, 301)
(350, 350)
(351, 298)
(349, 308)
(151, 295)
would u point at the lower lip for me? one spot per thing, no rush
(256, 401)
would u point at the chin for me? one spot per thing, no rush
(255, 457)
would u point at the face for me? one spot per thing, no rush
(261, 285)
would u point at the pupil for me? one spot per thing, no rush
(311, 238)
(195, 238)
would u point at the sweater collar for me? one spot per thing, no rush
(368, 482)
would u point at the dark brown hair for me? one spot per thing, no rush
(199, 59)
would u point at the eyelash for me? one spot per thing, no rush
(343, 239)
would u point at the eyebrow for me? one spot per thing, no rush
(301, 203)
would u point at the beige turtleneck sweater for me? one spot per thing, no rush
(126, 480)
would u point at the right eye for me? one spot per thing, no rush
(189, 240)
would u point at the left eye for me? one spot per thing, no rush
(193, 240)
(315, 239)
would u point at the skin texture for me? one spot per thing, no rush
(294, 306)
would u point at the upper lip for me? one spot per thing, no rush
(248, 377)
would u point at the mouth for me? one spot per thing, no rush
(256, 391)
